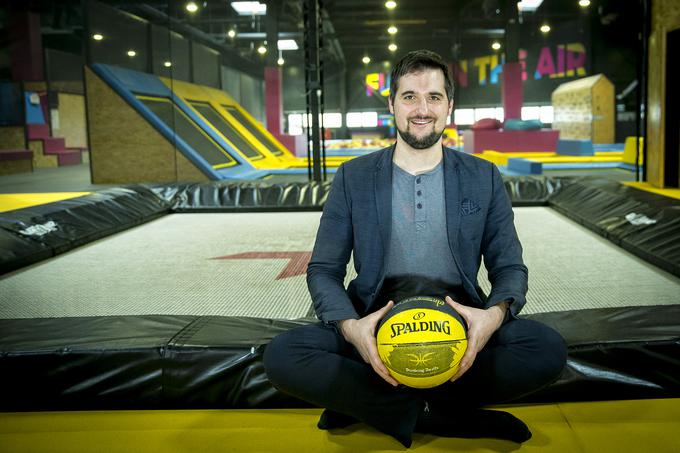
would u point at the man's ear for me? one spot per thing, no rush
(389, 104)
(450, 106)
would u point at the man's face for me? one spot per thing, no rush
(421, 108)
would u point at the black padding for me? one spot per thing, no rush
(136, 362)
(150, 362)
(17, 251)
(616, 353)
(244, 196)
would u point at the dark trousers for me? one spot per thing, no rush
(316, 364)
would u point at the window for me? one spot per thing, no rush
(531, 113)
(546, 114)
(332, 120)
(485, 113)
(464, 117)
(362, 119)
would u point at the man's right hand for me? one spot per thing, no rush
(361, 333)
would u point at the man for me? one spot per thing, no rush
(417, 218)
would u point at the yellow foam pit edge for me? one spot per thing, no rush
(629, 150)
(12, 201)
(575, 159)
(496, 157)
(672, 193)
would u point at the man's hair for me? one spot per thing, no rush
(417, 61)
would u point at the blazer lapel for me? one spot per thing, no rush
(383, 195)
(452, 193)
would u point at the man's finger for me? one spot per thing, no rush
(380, 368)
(461, 309)
(464, 365)
(385, 309)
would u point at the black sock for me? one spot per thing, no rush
(331, 420)
(473, 423)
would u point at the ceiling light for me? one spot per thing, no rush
(390, 4)
(262, 50)
(584, 3)
(366, 59)
(545, 28)
(392, 30)
(392, 47)
(280, 61)
(131, 53)
(249, 8)
(97, 37)
(287, 44)
(496, 45)
(231, 33)
(191, 7)
(167, 64)
(529, 5)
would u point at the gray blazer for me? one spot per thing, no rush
(357, 219)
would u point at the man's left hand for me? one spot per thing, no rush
(481, 325)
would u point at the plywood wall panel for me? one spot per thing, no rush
(72, 120)
(124, 147)
(188, 172)
(584, 109)
(12, 137)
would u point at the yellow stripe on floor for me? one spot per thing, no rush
(672, 193)
(12, 201)
(613, 426)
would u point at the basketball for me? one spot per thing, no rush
(421, 341)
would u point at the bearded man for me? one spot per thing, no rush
(418, 218)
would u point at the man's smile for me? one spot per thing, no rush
(419, 122)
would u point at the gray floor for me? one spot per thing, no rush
(72, 178)
(167, 267)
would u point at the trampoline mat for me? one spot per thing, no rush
(252, 264)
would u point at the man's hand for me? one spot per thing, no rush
(481, 325)
(361, 333)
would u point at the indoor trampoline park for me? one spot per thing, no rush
(177, 177)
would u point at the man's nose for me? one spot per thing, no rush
(421, 106)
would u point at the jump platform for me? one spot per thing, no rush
(476, 141)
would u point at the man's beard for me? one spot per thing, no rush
(420, 143)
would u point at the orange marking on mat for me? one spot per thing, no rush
(297, 261)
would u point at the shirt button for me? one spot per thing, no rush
(419, 205)
(417, 180)
(420, 192)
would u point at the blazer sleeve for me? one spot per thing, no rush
(502, 251)
(332, 249)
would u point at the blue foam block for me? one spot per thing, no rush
(575, 148)
(34, 113)
(524, 166)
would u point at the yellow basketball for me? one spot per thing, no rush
(421, 341)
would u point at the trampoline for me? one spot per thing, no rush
(232, 265)
(164, 297)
